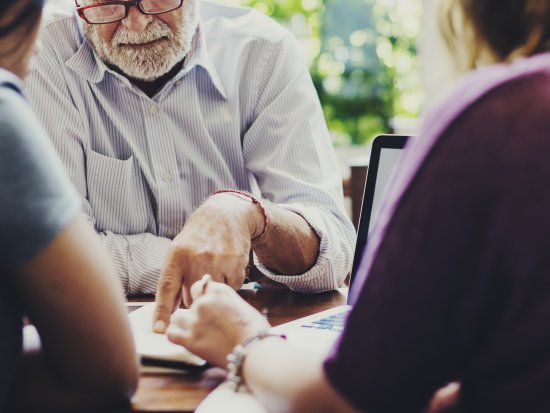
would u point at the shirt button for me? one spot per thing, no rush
(177, 82)
(170, 234)
(154, 109)
(167, 177)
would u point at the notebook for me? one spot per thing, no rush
(155, 350)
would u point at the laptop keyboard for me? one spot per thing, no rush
(334, 322)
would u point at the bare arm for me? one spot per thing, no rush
(289, 245)
(70, 293)
(283, 377)
(289, 379)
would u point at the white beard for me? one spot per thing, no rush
(148, 62)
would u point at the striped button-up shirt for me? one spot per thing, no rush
(242, 113)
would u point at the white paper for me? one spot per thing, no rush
(157, 346)
(225, 399)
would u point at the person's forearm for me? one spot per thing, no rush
(38, 389)
(66, 288)
(288, 379)
(289, 245)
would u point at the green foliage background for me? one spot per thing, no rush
(363, 59)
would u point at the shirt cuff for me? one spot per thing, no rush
(319, 278)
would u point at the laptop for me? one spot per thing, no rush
(318, 332)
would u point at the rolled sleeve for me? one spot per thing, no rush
(289, 152)
(330, 269)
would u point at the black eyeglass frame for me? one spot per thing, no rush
(127, 4)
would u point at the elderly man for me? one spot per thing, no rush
(155, 107)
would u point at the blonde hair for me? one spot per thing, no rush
(489, 31)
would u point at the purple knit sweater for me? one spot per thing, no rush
(455, 280)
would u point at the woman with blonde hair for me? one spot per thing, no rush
(454, 284)
(52, 267)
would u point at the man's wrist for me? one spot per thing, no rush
(257, 218)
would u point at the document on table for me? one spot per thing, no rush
(225, 399)
(156, 349)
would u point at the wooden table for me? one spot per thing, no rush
(182, 393)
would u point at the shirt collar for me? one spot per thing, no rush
(87, 63)
(199, 56)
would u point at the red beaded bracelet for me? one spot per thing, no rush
(254, 201)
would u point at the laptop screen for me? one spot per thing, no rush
(385, 155)
(389, 157)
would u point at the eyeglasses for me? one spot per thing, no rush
(113, 11)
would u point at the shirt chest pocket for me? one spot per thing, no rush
(118, 194)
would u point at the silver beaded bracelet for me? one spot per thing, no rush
(236, 358)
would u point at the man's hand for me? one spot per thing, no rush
(215, 240)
